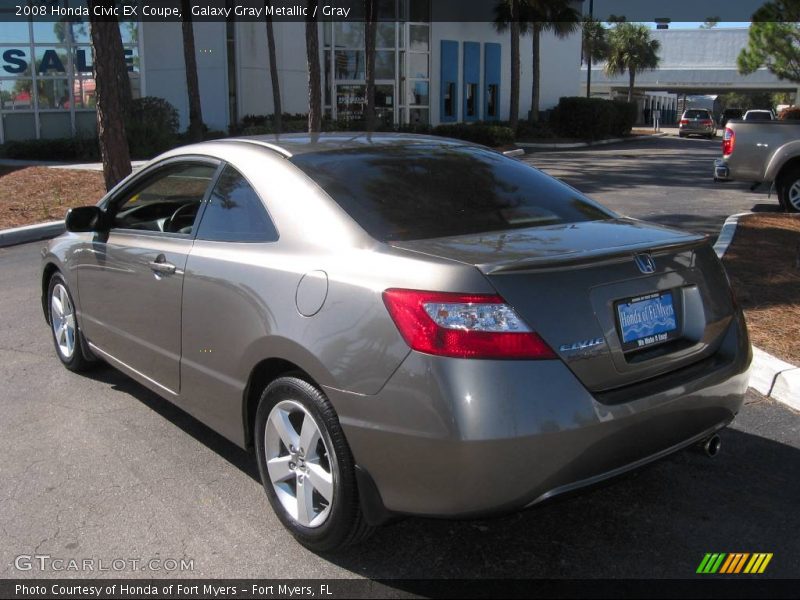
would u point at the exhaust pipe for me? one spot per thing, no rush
(711, 446)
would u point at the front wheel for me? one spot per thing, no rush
(788, 187)
(67, 336)
(306, 466)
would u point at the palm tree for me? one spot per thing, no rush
(508, 17)
(594, 48)
(192, 83)
(556, 16)
(277, 109)
(107, 44)
(631, 50)
(312, 56)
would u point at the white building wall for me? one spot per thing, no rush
(165, 71)
(255, 83)
(165, 74)
(560, 69)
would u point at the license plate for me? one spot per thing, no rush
(646, 320)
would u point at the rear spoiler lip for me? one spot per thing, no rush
(590, 258)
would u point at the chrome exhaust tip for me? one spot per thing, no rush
(711, 446)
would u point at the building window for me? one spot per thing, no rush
(449, 99)
(47, 88)
(491, 100)
(402, 58)
(471, 99)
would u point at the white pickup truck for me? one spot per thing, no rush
(763, 152)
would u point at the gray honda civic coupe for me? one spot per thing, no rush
(399, 325)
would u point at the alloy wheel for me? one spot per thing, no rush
(300, 465)
(62, 315)
(794, 195)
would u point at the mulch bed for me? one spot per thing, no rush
(763, 263)
(39, 194)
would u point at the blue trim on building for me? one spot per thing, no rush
(448, 96)
(472, 79)
(492, 77)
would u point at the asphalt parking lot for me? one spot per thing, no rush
(667, 180)
(98, 467)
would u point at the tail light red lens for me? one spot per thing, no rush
(463, 325)
(707, 122)
(684, 121)
(728, 141)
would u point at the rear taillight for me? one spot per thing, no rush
(463, 325)
(728, 141)
(707, 122)
(684, 121)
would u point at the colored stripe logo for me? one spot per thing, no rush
(734, 563)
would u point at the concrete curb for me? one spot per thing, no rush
(30, 233)
(770, 376)
(726, 233)
(775, 378)
(570, 145)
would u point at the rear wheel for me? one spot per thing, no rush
(788, 186)
(306, 466)
(67, 335)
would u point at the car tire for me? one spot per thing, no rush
(68, 340)
(681, 135)
(788, 188)
(321, 475)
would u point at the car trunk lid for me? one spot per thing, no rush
(568, 282)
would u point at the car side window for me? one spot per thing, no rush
(168, 201)
(235, 212)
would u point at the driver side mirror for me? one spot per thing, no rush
(86, 218)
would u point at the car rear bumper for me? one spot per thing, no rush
(721, 170)
(696, 130)
(459, 438)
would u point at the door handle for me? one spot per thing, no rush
(160, 265)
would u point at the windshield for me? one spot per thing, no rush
(399, 193)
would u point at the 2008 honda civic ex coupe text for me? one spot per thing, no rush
(398, 324)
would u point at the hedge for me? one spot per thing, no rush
(479, 133)
(83, 149)
(593, 118)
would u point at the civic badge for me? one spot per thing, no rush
(645, 263)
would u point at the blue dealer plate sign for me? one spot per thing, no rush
(646, 320)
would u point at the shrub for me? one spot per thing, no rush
(78, 148)
(527, 130)
(593, 118)
(264, 124)
(479, 133)
(791, 113)
(152, 127)
(626, 115)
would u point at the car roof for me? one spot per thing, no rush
(293, 144)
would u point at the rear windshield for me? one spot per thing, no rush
(758, 116)
(399, 193)
(696, 114)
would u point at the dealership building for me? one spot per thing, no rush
(427, 70)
